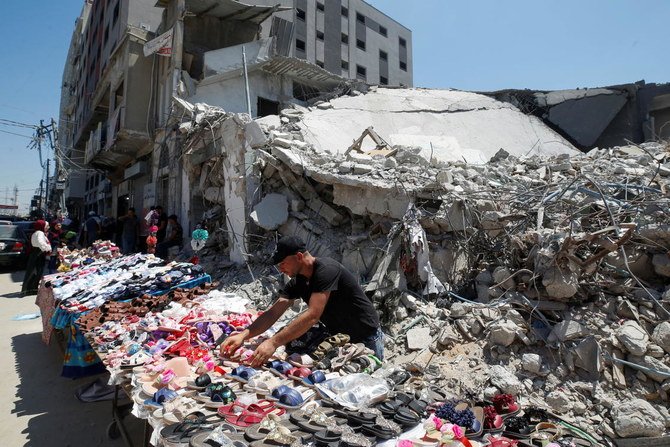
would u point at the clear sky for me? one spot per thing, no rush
(478, 45)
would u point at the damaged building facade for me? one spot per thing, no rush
(118, 117)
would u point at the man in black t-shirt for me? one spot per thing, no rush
(332, 294)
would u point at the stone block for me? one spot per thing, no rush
(346, 167)
(532, 363)
(290, 158)
(271, 212)
(418, 338)
(503, 333)
(560, 283)
(360, 169)
(325, 211)
(357, 157)
(637, 418)
(661, 336)
(661, 263)
(567, 330)
(254, 134)
(505, 380)
(633, 337)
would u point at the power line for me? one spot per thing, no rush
(16, 123)
(17, 134)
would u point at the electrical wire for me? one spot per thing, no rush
(17, 134)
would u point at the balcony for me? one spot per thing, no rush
(112, 145)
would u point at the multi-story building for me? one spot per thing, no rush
(104, 105)
(118, 109)
(349, 38)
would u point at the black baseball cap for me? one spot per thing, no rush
(288, 246)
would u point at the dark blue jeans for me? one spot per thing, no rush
(376, 343)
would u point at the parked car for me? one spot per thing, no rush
(28, 227)
(6, 222)
(13, 246)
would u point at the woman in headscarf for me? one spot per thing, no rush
(35, 267)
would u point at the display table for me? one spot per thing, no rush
(80, 360)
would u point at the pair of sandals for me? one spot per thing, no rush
(404, 409)
(371, 424)
(218, 393)
(242, 373)
(242, 415)
(334, 341)
(289, 397)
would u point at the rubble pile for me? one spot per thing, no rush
(541, 276)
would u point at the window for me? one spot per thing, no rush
(361, 72)
(319, 63)
(402, 42)
(345, 11)
(403, 66)
(267, 107)
(319, 35)
(382, 31)
(383, 80)
(360, 17)
(300, 14)
(319, 6)
(360, 44)
(300, 45)
(345, 65)
(345, 39)
(383, 55)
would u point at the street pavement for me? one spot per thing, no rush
(40, 406)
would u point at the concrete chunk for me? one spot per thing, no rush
(326, 211)
(290, 158)
(633, 337)
(362, 169)
(637, 417)
(418, 338)
(661, 264)
(255, 135)
(357, 157)
(271, 212)
(661, 336)
(567, 330)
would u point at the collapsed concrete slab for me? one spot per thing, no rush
(447, 125)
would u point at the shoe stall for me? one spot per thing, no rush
(156, 328)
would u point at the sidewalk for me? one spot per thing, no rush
(43, 410)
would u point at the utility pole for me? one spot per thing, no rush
(16, 199)
(46, 195)
(41, 197)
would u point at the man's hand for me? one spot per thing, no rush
(262, 353)
(230, 344)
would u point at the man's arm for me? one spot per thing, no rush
(304, 321)
(260, 325)
(267, 318)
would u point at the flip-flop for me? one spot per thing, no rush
(252, 415)
(314, 378)
(314, 418)
(279, 368)
(279, 436)
(300, 360)
(298, 373)
(294, 398)
(271, 421)
(200, 440)
(242, 373)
